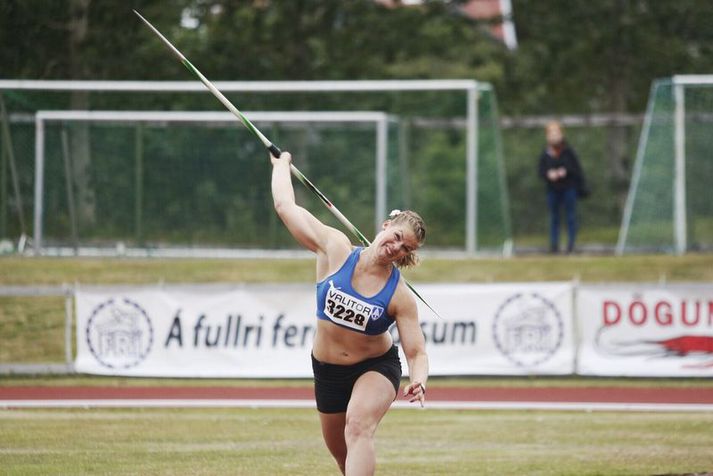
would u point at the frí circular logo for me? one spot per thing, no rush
(527, 329)
(119, 333)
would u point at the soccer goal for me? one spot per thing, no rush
(668, 208)
(158, 173)
(441, 155)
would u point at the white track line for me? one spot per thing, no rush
(157, 403)
(438, 405)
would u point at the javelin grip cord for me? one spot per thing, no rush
(275, 151)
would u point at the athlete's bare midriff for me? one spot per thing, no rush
(335, 345)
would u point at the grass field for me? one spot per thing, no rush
(273, 441)
(57, 271)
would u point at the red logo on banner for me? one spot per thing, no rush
(681, 346)
(660, 313)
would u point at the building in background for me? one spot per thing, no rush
(482, 10)
(487, 9)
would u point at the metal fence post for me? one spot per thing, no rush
(68, 314)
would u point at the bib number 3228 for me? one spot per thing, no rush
(348, 316)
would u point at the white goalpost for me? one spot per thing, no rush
(378, 120)
(667, 208)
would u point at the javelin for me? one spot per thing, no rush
(274, 150)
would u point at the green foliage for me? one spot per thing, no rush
(577, 56)
(574, 56)
(436, 169)
(341, 39)
(113, 47)
(247, 40)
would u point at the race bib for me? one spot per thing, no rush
(349, 311)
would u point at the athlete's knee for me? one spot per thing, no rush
(357, 427)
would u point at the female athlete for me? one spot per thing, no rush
(360, 294)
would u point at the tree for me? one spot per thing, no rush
(580, 56)
(78, 39)
(341, 39)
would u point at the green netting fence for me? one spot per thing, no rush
(669, 208)
(161, 184)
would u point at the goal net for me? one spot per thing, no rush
(669, 208)
(150, 167)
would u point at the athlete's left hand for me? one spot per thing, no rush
(417, 391)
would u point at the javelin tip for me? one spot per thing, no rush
(163, 38)
(144, 20)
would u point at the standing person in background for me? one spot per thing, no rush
(560, 169)
(360, 294)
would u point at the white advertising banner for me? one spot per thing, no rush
(196, 331)
(267, 331)
(499, 329)
(646, 331)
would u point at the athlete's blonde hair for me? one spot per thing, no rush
(417, 225)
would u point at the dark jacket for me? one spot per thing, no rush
(567, 159)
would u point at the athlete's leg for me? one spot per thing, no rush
(371, 397)
(553, 205)
(570, 206)
(333, 433)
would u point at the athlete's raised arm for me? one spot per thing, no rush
(304, 227)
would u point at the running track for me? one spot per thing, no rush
(515, 398)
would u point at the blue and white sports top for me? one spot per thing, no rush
(337, 301)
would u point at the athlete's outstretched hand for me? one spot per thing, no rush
(417, 391)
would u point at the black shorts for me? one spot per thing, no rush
(333, 383)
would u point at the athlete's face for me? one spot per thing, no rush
(396, 241)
